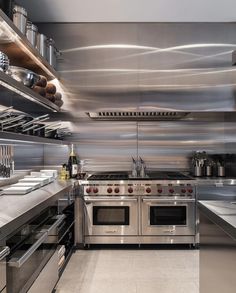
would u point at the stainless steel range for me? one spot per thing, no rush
(160, 208)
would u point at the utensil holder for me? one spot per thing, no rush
(221, 171)
(198, 171)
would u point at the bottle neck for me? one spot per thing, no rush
(72, 153)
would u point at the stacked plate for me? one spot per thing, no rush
(31, 182)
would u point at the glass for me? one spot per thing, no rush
(111, 215)
(168, 215)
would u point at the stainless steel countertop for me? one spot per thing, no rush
(15, 210)
(222, 213)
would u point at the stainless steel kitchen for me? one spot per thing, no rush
(117, 146)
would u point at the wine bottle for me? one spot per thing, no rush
(73, 163)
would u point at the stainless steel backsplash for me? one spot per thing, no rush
(146, 66)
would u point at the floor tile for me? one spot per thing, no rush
(131, 271)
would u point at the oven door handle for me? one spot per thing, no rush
(110, 200)
(58, 222)
(4, 251)
(18, 262)
(179, 200)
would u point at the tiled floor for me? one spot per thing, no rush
(131, 271)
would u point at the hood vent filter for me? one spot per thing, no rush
(133, 116)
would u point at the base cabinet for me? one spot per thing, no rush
(217, 258)
(48, 277)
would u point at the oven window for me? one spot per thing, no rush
(168, 215)
(111, 215)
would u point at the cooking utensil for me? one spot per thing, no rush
(23, 75)
(20, 18)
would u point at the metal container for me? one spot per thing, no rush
(25, 76)
(42, 45)
(198, 171)
(208, 171)
(221, 171)
(4, 62)
(52, 53)
(32, 33)
(20, 18)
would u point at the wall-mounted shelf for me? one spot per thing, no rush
(22, 98)
(20, 51)
(15, 138)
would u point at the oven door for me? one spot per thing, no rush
(168, 217)
(111, 216)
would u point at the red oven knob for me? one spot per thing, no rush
(171, 190)
(130, 190)
(88, 190)
(109, 190)
(190, 190)
(148, 190)
(117, 190)
(159, 190)
(183, 190)
(95, 190)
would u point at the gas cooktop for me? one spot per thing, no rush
(157, 175)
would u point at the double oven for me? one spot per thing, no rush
(143, 216)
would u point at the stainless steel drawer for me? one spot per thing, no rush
(4, 251)
(48, 277)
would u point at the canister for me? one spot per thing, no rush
(32, 33)
(221, 171)
(53, 53)
(20, 18)
(42, 45)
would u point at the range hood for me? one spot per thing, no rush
(136, 115)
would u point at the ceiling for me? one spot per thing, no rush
(131, 10)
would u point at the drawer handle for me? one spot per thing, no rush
(4, 251)
(18, 262)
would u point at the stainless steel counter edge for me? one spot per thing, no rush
(15, 210)
(223, 221)
(196, 182)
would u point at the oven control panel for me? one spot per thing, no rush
(168, 190)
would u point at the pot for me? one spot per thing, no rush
(23, 75)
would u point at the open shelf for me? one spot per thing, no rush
(16, 138)
(22, 98)
(20, 51)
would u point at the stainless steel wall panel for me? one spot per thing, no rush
(28, 157)
(147, 67)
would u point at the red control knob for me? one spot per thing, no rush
(171, 190)
(117, 190)
(148, 190)
(109, 190)
(88, 190)
(130, 190)
(159, 190)
(183, 190)
(95, 190)
(190, 190)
